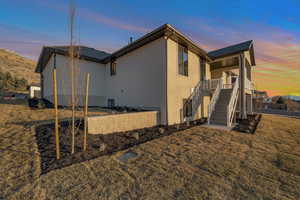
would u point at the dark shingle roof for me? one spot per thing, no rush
(86, 53)
(233, 49)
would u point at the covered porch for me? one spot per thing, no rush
(235, 63)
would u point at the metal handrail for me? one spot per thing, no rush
(214, 99)
(232, 103)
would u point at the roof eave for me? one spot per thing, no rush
(164, 30)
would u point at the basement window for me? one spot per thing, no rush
(187, 107)
(183, 60)
(113, 68)
(111, 103)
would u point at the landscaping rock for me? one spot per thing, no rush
(161, 130)
(102, 146)
(187, 123)
(136, 135)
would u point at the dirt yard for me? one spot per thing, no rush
(197, 163)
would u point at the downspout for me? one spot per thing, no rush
(54, 64)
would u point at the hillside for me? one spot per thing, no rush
(18, 66)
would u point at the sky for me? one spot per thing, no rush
(274, 26)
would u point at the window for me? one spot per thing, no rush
(202, 69)
(183, 60)
(187, 107)
(113, 68)
(111, 103)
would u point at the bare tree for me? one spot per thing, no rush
(72, 58)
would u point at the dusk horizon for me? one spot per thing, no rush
(212, 25)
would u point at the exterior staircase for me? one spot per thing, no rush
(222, 108)
(219, 114)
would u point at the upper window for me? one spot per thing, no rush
(113, 68)
(202, 69)
(183, 60)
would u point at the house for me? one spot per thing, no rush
(163, 70)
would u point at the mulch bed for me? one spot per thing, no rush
(97, 145)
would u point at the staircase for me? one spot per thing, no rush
(222, 107)
(219, 115)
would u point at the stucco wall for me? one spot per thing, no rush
(122, 122)
(97, 81)
(140, 78)
(179, 86)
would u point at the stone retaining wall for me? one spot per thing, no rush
(111, 123)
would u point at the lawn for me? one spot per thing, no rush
(197, 163)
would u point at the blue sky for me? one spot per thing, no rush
(25, 26)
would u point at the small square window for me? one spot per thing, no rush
(113, 68)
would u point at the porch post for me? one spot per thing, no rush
(242, 96)
(251, 103)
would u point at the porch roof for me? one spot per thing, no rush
(234, 49)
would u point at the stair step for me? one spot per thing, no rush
(218, 122)
(219, 118)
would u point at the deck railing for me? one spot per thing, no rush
(232, 103)
(214, 98)
(248, 84)
(195, 98)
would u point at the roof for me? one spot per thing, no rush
(234, 49)
(164, 30)
(86, 53)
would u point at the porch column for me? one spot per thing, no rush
(242, 96)
(251, 102)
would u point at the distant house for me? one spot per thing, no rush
(34, 90)
(164, 70)
(259, 94)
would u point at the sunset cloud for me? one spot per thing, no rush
(276, 38)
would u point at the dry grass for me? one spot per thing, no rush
(19, 66)
(197, 163)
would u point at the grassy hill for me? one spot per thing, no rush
(18, 66)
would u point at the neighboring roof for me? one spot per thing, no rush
(86, 53)
(234, 49)
(164, 30)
